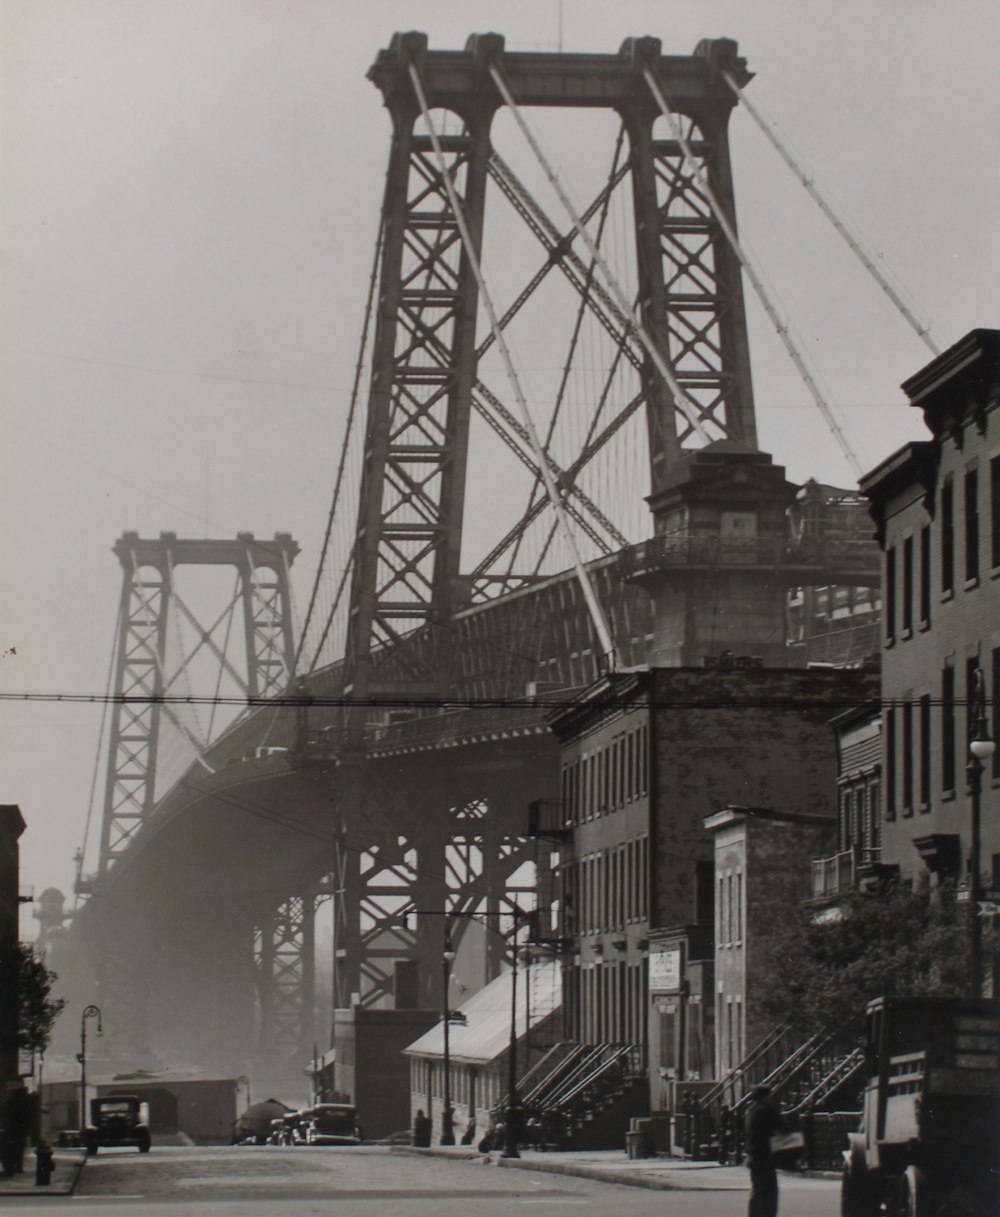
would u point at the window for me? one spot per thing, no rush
(996, 710)
(907, 622)
(908, 758)
(925, 750)
(739, 906)
(875, 810)
(890, 764)
(947, 538)
(925, 575)
(995, 511)
(890, 593)
(844, 827)
(947, 730)
(971, 525)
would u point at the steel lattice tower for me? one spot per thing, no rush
(149, 603)
(424, 388)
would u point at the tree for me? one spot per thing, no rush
(37, 1008)
(822, 971)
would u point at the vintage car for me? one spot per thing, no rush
(331, 1124)
(119, 1119)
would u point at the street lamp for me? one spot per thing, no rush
(981, 748)
(510, 1123)
(88, 1012)
(447, 1113)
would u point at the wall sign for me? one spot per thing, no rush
(665, 968)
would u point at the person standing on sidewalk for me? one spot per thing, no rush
(763, 1122)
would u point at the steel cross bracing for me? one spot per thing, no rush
(284, 955)
(424, 378)
(407, 581)
(151, 607)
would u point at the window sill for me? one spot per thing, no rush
(924, 808)
(924, 626)
(947, 595)
(947, 796)
(906, 633)
(969, 584)
(888, 643)
(907, 813)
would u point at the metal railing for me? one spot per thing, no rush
(572, 1082)
(841, 556)
(838, 872)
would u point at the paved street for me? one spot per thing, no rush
(203, 1182)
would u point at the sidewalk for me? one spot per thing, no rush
(68, 1164)
(614, 1166)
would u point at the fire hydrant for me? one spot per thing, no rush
(44, 1164)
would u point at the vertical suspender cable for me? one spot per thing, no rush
(681, 399)
(865, 258)
(781, 327)
(593, 604)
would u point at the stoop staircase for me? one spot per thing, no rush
(581, 1096)
(816, 1082)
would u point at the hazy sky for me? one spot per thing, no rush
(190, 193)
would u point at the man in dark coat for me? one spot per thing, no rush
(763, 1122)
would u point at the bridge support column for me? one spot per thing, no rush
(285, 945)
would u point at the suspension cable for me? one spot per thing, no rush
(107, 700)
(348, 426)
(593, 604)
(854, 242)
(681, 399)
(780, 326)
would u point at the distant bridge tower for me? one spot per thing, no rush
(147, 672)
(407, 581)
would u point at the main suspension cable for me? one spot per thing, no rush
(854, 242)
(780, 326)
(681, 399)
(338, 481)
(593, 604)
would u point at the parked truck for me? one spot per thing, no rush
(929, 1141)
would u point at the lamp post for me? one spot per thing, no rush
(447, 1112)
(88, 1012)
(510, 1123)
(981, 748)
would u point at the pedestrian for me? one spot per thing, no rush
(764, 1121)
(421, 1129)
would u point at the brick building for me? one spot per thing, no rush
(645, 757)
(936, 504)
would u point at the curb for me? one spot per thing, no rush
(608, 1176)
(577, 1169)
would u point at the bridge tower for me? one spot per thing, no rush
(407, 581)
(150, 678)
